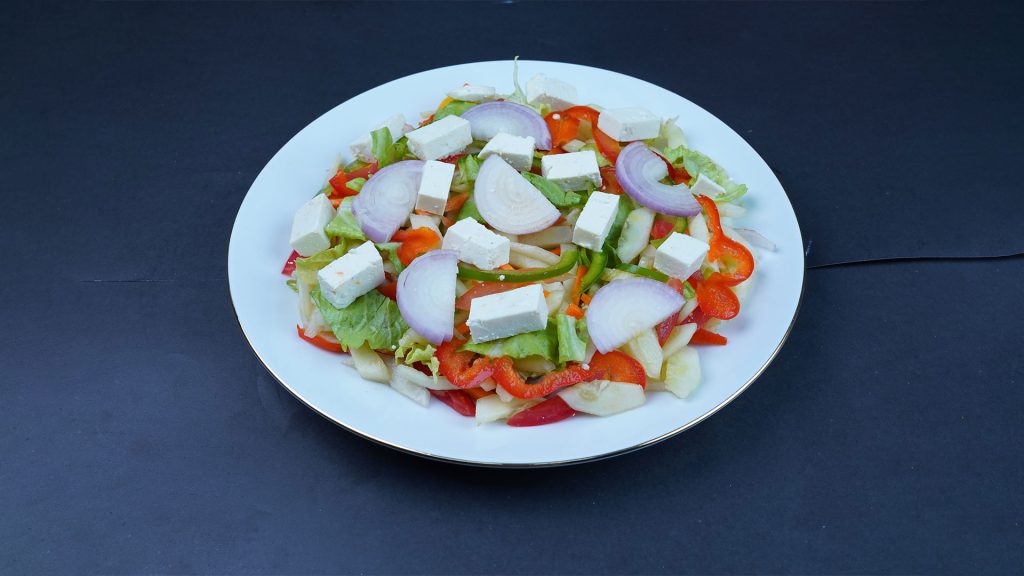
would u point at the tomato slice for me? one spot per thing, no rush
(617, 367)
(389, 289)
(609, 181)
(459, 401)
(548, 411)
(289, 264)
(702, 336)
(415, 243)
(319, 341)
(459, 367)
(506, 377)
(485, 289)
(661, 229)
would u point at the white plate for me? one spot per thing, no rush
(266, 307)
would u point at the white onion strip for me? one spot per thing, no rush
(622, 309)
(508, 202)
(386, 200)
(426, 294)
(486, 120)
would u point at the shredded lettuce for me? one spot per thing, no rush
(540, 343)
(414, 348)
(468, 166)
(356, 184)
(572, 345)
(293, 285)
(518, 96)
(306, 268)
(601, 160)
(372, 318)
(469, 210)
(453, 108)
(697, 163)
(384, 150)
(552, 191)
(688, 292)
(344, 224)
(391, 249)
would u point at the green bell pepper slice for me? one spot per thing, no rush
(564, 264)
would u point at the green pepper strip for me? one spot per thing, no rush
(598, 260)
(564, 264)
(652, 274)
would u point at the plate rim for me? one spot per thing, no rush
(520, 465)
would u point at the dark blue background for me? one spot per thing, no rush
(138, 434)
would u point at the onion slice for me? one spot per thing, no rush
(387, 198)
(756, 238)
(624, 308)
(508, 202)
(486, 120)
(426, 294)
(639, 170)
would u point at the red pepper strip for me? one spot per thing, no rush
(319, 341)
(459, 367)
(415, 243)
(563, 128)
(738, 261)
(485, 289)
(289, 264)
(340, 189)
(477, 393)
(678, 175)
(609, 181)
(506, 377)
(455, 202)
(665, 327)
(574, 311)
(606, 145)
(661, 229)
(716, 299)
(548, 411)
(702, 336)
(363, 172)
(389, 289)
(458, 399)
(617, 367)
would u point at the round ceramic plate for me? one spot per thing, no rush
(266, 307)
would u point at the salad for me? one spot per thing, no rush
(522, 257)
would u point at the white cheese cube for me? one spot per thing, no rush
(705, 186)
(472, 93)
(596, 220)
(362, 147)
(425, 221)
(435, 184)
(460, 233)
(516, 150)
(680, 255)
(486, 250)
(572, 171)
(440, 139)
(308, 237)
(556, 94)
(476, 244)
(508, 313)
(354, 274)
(629, 124)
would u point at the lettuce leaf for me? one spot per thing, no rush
(519, 97)
(453, 108)
(553, 192)
(468, 166)
(469, 210)
(572, 346)
(697, 163)
(540, 343)
(414, 348)
(372, 318)
(344, 224)
(391, 249)
(306, 268)
(384, 150)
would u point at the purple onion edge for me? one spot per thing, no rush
(629, 173)
(435, 337)
(541, 134)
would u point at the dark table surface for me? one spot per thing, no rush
(138, 434)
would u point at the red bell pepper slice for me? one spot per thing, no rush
(606, 145)
(319, 341)
(716, 299)
(289, 264)
(609, 181)
(363, 172)
(664, 328)
(551, 410)
(506, 377)
(340, 189)
(389, 289)
(702, 336)
(661, 229)
(459, 367)
(415, 243)
(617, 367)
(737, 262)
(459, 401)
(563, 128)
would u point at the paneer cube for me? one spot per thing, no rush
(362, 147)
(629, 124)
(476, 244)
(354, 274)
(435, 184)
(516, 150)
(556, 94)
(460, 233)
(680, 255)
(508, 313)
(595, 221)
(573, 171)
(473, 93)
(705, 186)
(308, 237)
(439, 139)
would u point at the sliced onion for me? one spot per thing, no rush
(756, 238)
(639, 171)
(387, 198)
(622, 309)
(426, 294)
(508, 202)
(486, 120)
